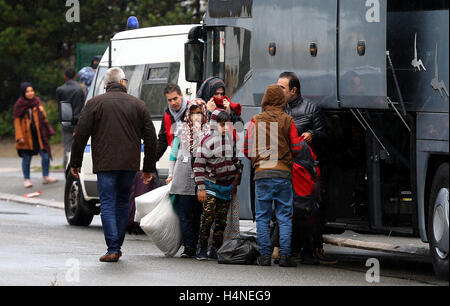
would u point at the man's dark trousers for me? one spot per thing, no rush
(114, 188)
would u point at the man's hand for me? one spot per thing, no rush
(21, 141)
(75, 172)
(147, 177)
(211, 105)
(169, 179)
(201, 196)
(308, 137)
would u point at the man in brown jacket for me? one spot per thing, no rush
(116, 123)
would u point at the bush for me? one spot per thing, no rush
(7, 124)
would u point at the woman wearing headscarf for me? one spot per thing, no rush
(213, 91)
(32, 133)
(185, 144)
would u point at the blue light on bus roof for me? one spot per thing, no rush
(132, 23)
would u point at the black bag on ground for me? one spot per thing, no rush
(242, 250)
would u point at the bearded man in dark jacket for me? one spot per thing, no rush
(310, 123)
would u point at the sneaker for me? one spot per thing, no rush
(287, 261)
(265, 260)
(212, 254)
(324, 259)
(309, 259)
(202, 253)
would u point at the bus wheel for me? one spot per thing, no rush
(77, 211)
(438, 224)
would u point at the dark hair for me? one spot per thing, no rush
(171, 88)
(70, 72)
(293, 80)
(193, 107)
(97, 59)
(223, 117)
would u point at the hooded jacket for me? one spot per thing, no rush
(272, 138)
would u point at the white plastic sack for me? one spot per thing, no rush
(162, 225)
(148, 201)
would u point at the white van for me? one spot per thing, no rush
(151, 58)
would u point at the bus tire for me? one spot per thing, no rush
(438, 224)
(76, 208)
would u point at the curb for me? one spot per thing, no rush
(376, 246)
(32, 201)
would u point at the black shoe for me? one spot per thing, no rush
(265, 260)
(287, 261)
(309, 259)
(188, 253)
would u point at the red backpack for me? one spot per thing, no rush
(306, 182)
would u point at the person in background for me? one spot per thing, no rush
(71, 92)
(86, 74)
(32, 133)
(173, 116)
(187, 140)
(273, 172)
(117, 122)
(217, 172)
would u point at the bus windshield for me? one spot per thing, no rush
(228, 56)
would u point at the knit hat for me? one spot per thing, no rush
(273, 97)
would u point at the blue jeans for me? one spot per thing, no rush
(280, 191)
(26, 162)
(114, 189)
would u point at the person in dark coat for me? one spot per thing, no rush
(71, 92)
(32, 133)
(116, 123)
(311, 125)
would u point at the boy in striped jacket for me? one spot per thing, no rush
(217, 172)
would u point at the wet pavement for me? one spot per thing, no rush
(37, 247)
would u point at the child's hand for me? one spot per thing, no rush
(201, 196)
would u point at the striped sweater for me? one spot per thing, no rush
(216, 160)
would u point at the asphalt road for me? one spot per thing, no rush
(38, 247)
